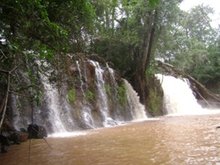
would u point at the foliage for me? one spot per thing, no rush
(151, 71)
(44, 27)
(208, 71)
(127, 33)
(189, 43)
(124, 43)
(41, 29)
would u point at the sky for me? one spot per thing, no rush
(215, 4)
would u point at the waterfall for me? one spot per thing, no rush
(52, 99)
(87, 117)
(178, 97)
(112, 75)
(16, 113)
(59, 114)
(61, 117)
(103, 100)
(137, 109)
(114, 94)
(86, 111)
(81, 78)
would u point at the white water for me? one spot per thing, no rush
(179, 98)
(68, 134)
(137, 109)
(57, 110)
(80, 76)
(58, 116)
(87, 116)
(16, 113)
(102, 101)
(86, 111)
(52, 99)
(112, 75)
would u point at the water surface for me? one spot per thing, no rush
(174, 140)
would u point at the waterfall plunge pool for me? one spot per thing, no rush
(171, 140)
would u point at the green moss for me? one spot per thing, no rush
(90, 96)
(154, 102)
(71, 95)
(154, 98)
(121, 94)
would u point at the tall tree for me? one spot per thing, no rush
(131, 47)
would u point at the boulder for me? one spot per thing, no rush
(36, 131)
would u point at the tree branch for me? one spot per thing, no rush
(5, 101)
(7, 94)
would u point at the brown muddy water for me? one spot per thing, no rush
(192, 140)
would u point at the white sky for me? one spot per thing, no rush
(215, 4)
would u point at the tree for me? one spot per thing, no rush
(132, 45)
(186, 36)
(208, 71)
(190, 44)
(39, 29)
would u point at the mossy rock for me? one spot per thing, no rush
(154, 101)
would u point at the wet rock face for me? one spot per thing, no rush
(154, 100)
(72, 70)
(90, 70)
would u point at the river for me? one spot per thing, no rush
(169, 140)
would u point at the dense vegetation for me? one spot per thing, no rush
(128, 33)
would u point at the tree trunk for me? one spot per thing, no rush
(143, 62)
(5, 101)
(148, 39)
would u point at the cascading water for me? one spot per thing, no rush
(59, 113)
(137, 109)
(61, 116)
(112, 75)
(114, 95)
(80, 77)
(86, 110)
(178, 97)
(87, 117)
(52, 99)
(102, 101)
(16, 114)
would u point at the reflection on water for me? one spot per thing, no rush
(168, 141)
